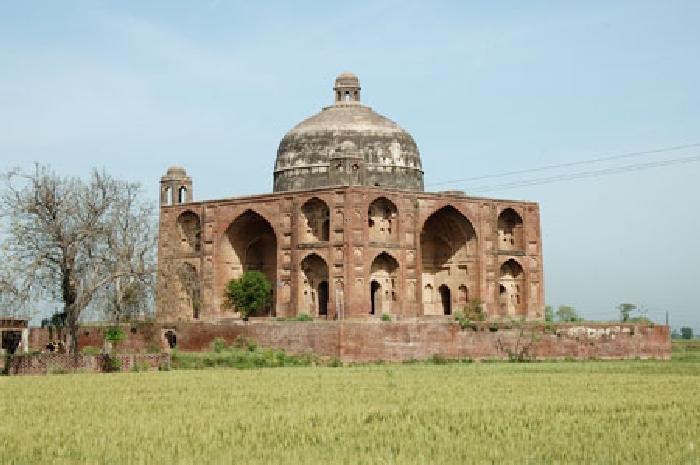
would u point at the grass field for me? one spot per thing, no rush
(602, 412)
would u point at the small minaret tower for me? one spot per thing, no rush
(175, 187)
(347, 88)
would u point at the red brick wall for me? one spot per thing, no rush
(43, 364)
(396, 341)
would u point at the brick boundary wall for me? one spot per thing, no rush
(43, 364)
(398, 341)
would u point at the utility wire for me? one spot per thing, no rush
(588, 174)
(568, 165)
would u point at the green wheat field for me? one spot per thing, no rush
(592, 412)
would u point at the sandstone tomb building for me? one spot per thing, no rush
(349, 232)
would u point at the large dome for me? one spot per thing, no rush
(347, 144)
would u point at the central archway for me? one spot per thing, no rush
(249, 243)
(449, 258)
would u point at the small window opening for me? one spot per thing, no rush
(347, 95)
(171, 337)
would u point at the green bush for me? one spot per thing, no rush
(114, 334)
(385, 317)
(304, 317)
(218, 344)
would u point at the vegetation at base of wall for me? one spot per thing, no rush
(242, 359)
(244, 354)
(89, 350)
(114, 364)
(300, 317)
(510, 413)
(385, 317)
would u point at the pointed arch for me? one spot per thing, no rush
(510, 230)
(512, 289)
(189, 228)
(384, 275)
(249, 243)
(313, 286)
(383, 220)
(315, 221)
(449, 257)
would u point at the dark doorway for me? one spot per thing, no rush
(373, 291)
(171, 337)
(323, 298)
(445, 297)
(10, 340)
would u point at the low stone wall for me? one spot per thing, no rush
(418, 339)
(42, 364)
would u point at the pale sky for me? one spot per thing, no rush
(484, 88)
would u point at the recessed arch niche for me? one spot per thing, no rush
(511, 289)
(510, 230)
(383, 220)
(249, 243)
(315, 221)
(384, 275)
(189, 228)
(313, 286)
(448, 258)
(189, 290)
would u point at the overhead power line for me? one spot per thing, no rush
(568, 165)
(588, 174)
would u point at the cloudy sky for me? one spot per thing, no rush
(485, 88)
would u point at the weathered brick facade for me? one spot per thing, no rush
(476, 260)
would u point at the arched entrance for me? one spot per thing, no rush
(511, 289)
(446, 300)
(250, 243)
(385, 273)
(313, 286)
(449, 257)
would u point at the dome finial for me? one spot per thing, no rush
(347, 88)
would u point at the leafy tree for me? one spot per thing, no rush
(686, 332)
(625, 310)
(567, 314)
(548, 313)
(247, 294)
(114, 335)
(64, 240)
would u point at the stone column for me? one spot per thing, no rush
(25, 340)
